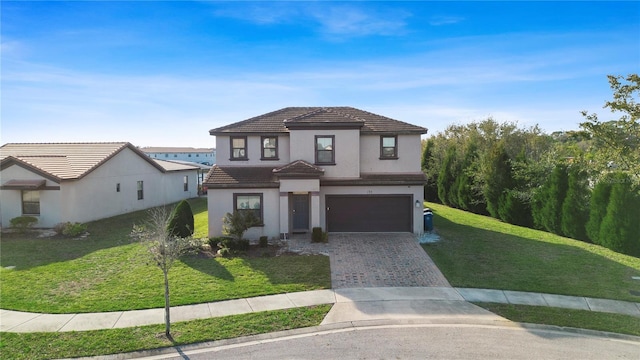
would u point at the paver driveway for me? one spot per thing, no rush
(381, 260)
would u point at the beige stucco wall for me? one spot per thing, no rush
(408, 155)
(417, 193)
(220, 202)
(347, 151)
(95, 197)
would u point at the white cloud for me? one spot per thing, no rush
(445, 20)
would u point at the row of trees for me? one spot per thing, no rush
(581, 184)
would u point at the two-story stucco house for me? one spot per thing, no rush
(80, 182)
(338, 168)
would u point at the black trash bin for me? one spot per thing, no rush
(428, 219)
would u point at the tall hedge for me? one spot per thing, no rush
(446, 177)
(575, 207)
(181, 223)
(514, 209)
(499, 178)
(547, 205)
(620, 229)
(598, 208)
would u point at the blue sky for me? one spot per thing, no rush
(164, 73)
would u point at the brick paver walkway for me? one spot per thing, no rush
(381, 260)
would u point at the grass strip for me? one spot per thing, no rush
(583, 319)
(102, 342)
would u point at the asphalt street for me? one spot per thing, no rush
(424, 341)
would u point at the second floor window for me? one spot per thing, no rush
(269, 148)
(239, 148)
(388, 147)
(325, 151)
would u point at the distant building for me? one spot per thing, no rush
(195, 155)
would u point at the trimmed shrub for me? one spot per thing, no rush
(317, 235)
(23, 223)
(73, 229)
(181, 223)
(264, 241)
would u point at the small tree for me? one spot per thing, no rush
(237, 223)
(181, 223)
(163, 248)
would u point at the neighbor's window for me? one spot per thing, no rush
(239, 148)
(186, 183)
(269, 147)
(325, 151)
(118, 187)
(388, 147)
(166, 155)
(249, 203)
(140, 190)
(30, 202)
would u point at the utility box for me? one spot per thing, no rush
(428, 219)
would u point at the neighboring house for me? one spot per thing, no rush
(80, 182)
(196, 155)
(338, 168)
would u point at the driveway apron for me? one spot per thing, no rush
(381, 260)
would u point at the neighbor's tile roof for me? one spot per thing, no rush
(240, 176)
(277, 121)
(67, 161)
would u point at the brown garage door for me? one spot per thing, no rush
(369, 213)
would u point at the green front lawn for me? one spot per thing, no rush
(106, 272)
(482, 252)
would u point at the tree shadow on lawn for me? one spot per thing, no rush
(473, 257)
(208, 266)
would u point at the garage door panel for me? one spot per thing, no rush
(369, 213)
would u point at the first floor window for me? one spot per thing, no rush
(186, 183)
(118, 187)
(140, 190)
(239, 148)
(30, 202)
(388, 147)
(248, 203)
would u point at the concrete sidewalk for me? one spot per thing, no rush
(351, 304)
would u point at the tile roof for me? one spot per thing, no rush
(278, 121)
(67, 161)
(299, 168)
(240, 177)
